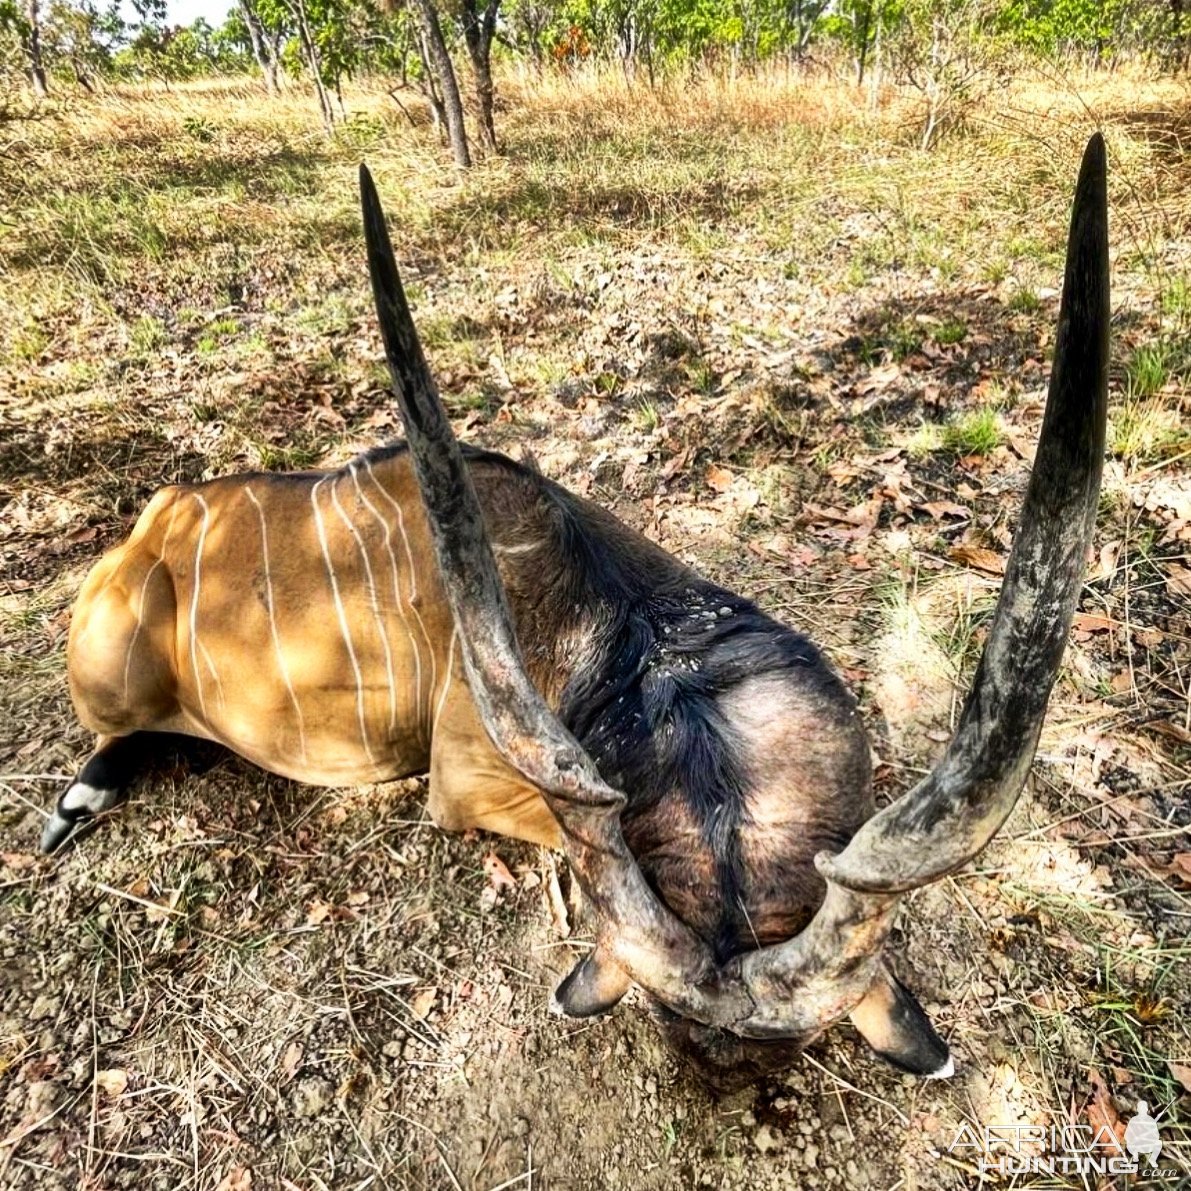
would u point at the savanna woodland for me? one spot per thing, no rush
(777, 282)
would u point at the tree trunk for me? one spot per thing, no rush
(33, 51)
(862, 46)
(438, 115)
(440, 59)
(81, 77)
(478, 31)
(312, 61)
(1182, 35)
(261, 51)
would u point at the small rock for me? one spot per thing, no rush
(311, 1097)
(41, 1098)
(45, 1007)
(766, 1140)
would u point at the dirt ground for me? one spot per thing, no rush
(765, 329)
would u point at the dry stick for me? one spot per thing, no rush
(447, 1167)
(853, 1088)
(94, 1118)
(14, 1139)
(517, 1178)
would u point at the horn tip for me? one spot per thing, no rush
(1094, 167)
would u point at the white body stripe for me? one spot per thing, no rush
(140, 622)
(194, 600)
(277, 650)
(446, 686)
(347, 640)
(413, 578)
(372, 599)
(140, 612)
(214, 674)
(388, 532)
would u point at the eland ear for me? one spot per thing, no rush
(892, 1022)
(594, 985)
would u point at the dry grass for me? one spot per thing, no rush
(765, 275)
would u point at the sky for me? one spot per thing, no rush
(183, 12)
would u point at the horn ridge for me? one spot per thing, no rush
(950, 816)
(654, 947)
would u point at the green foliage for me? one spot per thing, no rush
(1055, 27)
(1148, 369)
(951, 51)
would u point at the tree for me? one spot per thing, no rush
(23, 22)
(479, 27)
(265, 43)
(439, 62)
(79, 37)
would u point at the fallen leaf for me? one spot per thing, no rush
(1102, 1114)
(1106, 565)
(1024, 448)
(939, 509)
(1180, 866)
(318, 912)
(1178, 581)
(16, 861)
(978, 557)
(1092, 622)
(1181, 1072)
(113, 1081)
(675, 464)
(421, 1005)
(292, 1059)
(879, 378)
(498, 872)
(357, 898)
(1174, 731)
(239, 1178)
(719, 479)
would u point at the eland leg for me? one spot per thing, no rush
(892, 1022)
(101, 784)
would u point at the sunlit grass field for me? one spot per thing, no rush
(763, 326)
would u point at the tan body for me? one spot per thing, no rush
(299, 621)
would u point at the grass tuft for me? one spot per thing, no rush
(978, 432)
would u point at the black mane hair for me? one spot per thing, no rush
(646, 707)
(670, 643)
